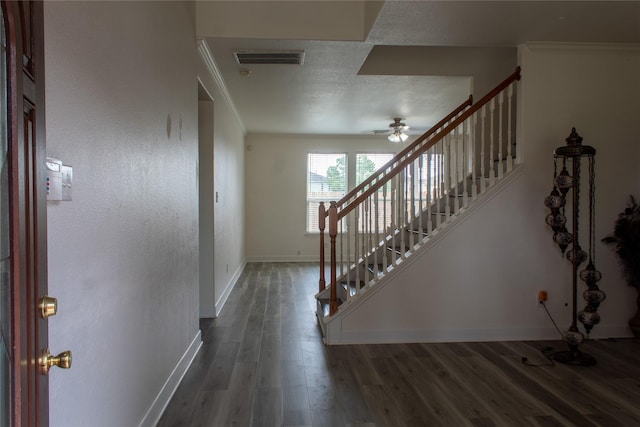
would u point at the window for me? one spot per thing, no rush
(366, 165)
(326, 182)
(328, 179)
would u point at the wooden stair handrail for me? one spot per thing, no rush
(406, 150)
(445, 131)
(322, 214)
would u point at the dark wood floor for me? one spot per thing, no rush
(263, 364)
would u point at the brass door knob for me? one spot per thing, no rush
(63, 360)
(48, 306)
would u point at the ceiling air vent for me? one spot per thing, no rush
(295, 57)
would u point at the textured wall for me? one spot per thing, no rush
(276, 182)
(123, 255)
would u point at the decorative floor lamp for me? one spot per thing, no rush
(572, 155)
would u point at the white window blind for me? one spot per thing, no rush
(326, 182)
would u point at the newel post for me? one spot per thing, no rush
(333, 232)
(322, 213)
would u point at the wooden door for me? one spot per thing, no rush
(24, 397)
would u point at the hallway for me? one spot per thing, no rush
(263, 363)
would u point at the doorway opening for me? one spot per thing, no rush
(206, 197)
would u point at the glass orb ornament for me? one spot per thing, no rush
(563, 238)
(554, 200)
(573, 337)
(555, 220)
(594, 297)
(589, 318)
(564, 181)
(590, 275)
(580, 256)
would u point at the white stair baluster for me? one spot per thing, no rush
(371, 235)
(356, 254)
(447, 176)
(341, 237)
(457, 146)
(376, 255)
(483, 154)
(474, 157)
(412, 216)
(492, 158)
(405, 210)
(393, 240)
(392, 211)
(349, 256)
(369, 223)
(385, 226)
(428, 198)
(439, 177)
(500, 133)
(466, 149)
(509, 131)
(362, 230)
(420, 200)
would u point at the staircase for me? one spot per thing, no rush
(409, 203)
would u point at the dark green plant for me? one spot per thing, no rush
(625, 240)
(336, 175)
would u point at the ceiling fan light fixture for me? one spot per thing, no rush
(397, 136)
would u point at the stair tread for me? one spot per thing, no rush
(351, 286)
(375, 267)
(423, 232)
(325, 305)
(398, 250)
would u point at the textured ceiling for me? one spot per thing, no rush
(418, 61)
(326, 94)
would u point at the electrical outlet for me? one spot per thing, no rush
(542, 296)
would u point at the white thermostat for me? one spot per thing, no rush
(58, 181)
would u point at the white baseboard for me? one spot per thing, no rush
(227, 289)
(284, 258)
(170, 386)
(466, 335)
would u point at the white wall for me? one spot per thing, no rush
(276, 190)
(341, 20)
(228, 183)
(123, 255)
(481, 281)
(595, 89)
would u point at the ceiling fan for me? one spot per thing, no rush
(397, 131)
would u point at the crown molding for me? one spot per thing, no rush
(631, 47)
(207, 57)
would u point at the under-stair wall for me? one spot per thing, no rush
(420, 299)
